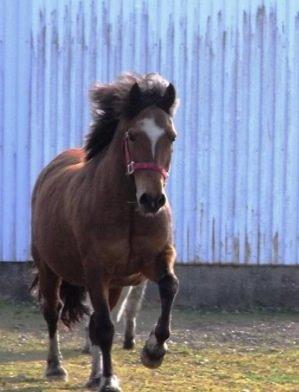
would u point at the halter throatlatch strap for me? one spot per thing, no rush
(132, 166)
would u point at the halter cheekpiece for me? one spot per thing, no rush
(132, 166)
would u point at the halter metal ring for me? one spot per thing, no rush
(130, 168)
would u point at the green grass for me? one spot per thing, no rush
(208, 352)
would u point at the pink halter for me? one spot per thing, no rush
(134, 166)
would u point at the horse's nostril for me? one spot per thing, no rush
(144, 199)
(161, 200)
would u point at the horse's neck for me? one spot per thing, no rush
(110, 179)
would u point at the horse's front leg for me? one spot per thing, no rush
(162, 272)
(101, 332)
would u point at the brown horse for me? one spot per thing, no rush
(101, 220)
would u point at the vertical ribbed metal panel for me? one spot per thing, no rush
(15, 104)
(234, 181)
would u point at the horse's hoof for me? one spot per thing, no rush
(152, 360)
(129, 344)
(56, 373)
(153, 352)
(109, 384)
(93, 383)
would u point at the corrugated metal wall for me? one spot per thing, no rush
(234, 180)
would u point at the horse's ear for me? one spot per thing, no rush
(135, 94)
(168, 98)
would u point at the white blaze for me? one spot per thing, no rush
(153, 131)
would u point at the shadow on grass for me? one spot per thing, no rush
(37, 384)
(21, 378)
(39, 389)
(36, 355)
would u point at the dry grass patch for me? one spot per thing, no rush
(208, 352)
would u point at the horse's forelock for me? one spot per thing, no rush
(111, 102)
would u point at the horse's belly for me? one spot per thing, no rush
(60, 253)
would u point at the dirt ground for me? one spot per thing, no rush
(208, 351)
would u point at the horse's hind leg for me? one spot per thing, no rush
(132, 308)
(87, 343)
(49, 288)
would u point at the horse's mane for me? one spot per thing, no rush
(111, 102)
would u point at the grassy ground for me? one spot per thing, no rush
(213, 351)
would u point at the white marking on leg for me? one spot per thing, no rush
(153, 131)
(123, 305)
(130, 327)
(54, 351)
(112, 381)
(54, 369)
(87, 346)
(96, 362)
(135, 300)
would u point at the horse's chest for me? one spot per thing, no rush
(145, 248)
(127, 256)
(126, 252)
(137, 247)
(149, 239)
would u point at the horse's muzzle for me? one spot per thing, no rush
(150, 204)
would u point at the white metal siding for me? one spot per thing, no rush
(234, 180)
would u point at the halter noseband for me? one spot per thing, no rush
(132, 166)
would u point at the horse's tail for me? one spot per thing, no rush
(74, 300)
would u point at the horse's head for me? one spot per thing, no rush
(148, 148)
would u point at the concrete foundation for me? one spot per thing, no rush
(236, 287)
(201, 286)
(15, 280)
